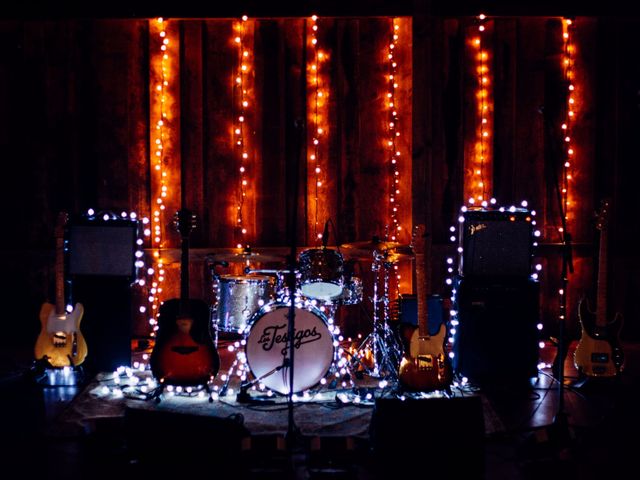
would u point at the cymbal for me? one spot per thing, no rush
(375, 244)
(242, 256)
(365, 249)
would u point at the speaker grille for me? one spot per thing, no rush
(496, 244)
(97, 248)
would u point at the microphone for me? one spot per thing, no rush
(325, 234)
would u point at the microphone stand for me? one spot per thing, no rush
(293, 433)
(559, 427)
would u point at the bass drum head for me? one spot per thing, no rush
(267, 345)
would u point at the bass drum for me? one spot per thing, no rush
(267, 345)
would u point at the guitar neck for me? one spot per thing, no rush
(184, 276)
(60, 307)
(601, 296)
(421, 295)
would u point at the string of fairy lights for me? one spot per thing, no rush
(568, 65)
(393, 132)
(317, 119)
(160, 63)
(479, 187)
(240, 128)
(566, 197)
(392, 141)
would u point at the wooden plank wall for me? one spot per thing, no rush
(74, 124)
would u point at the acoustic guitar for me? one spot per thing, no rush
(183, 353)
(60, 341)
(425, 366)
(599, 352)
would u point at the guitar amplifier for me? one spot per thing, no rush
(104, 248)
(495, 243)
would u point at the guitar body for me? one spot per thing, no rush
(426, 367)
(60, 338)
(599, 352)
(184, 357)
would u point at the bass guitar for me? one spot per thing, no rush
(183, 353)
(599, 352)
(60, 341)
(425, 367)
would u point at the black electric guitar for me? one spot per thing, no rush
(599, 352)
(184, 353)
(60, 341)
(425, 367)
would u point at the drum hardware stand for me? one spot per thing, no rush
(243, 395)
(381, 341)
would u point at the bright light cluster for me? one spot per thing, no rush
(242, 102)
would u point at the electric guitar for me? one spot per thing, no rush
(60, 339)
(599, 352)
(183, 353)
(425, 367)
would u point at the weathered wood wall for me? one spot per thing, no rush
(74, 131)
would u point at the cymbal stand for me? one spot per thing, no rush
(381, 342)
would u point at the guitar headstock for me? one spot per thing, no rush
(417, 239)
(61, 222)
(602, 215)
(185, 221)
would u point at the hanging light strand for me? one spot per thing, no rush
(480, 188)
(156, 272)
(393, 133)
(318, 99)
(568, 65)
(240, 130)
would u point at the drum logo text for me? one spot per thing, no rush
(277, 334)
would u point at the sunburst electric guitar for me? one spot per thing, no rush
(599, 352)
(425, 367)
(60, 339)
(183, 353)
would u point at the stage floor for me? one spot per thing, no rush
(103, 428)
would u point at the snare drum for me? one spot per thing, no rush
(321, 273)
(267, 344)
(239, 297)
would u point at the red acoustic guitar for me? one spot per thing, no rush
(425, 367)
(184, 353)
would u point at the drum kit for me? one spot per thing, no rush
(255, 306)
